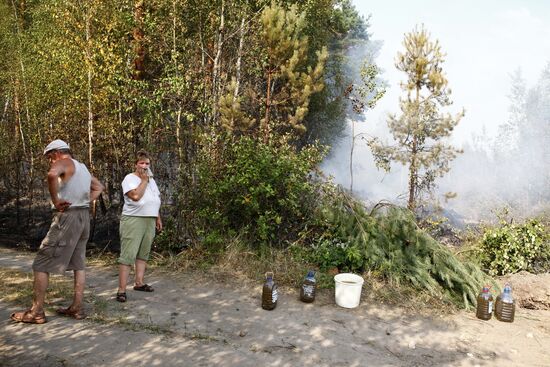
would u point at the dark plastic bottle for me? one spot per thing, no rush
(269, 292)
(484, 304)
(505, 306)
(307, 292)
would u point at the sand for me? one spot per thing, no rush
(190, 320)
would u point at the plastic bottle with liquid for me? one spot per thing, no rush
(269, 292)
(505, 306)
(484, 304)
(307, 292)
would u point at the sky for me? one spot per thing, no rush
(485, 41)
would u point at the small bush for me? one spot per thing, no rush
(510, 248)
(264, 192)
(333, 253)
(168, 239)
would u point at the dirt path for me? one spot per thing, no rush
(194, 322)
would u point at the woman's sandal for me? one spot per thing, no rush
(121, 296)
(143, 288)
(77, 315)
(28, 317)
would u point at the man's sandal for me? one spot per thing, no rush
(143, 288)
(121, 296)
(28, 317)
(75, 314)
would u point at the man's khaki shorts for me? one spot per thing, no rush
(64, 247)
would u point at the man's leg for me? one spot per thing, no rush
(40, 285)
(140, 272)
(36, 314)
(79, 284)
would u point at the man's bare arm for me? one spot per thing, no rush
(58, 169)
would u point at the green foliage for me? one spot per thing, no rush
(510, 248)
(291, 78)
(389, 243)
(168, 240)
(363, 97)
(262, 191)
(420, 131)
(331, 253)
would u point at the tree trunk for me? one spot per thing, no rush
(265, 124)
(139, 59)
(216, 67)
(413, 169)
(89, 89)
(6, 105)
(351, 156)
(179, 140)
(238, 64)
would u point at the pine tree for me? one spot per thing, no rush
(420, 130)
(289, 81)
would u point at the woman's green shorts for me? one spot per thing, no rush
(136, 237)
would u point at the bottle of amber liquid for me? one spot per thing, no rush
(505, 306)
(484, 304)
(307, 292)
(269, 292)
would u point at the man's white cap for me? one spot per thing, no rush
(56, 145)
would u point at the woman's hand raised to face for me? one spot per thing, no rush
(142, 173)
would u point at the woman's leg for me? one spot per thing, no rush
(140, 271)
(123, 273)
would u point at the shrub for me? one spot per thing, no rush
(168, 239)
(510, 248)
(263, 192)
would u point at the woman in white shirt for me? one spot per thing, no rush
(140, 217)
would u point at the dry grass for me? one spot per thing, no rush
(239, 263)
(16, 287)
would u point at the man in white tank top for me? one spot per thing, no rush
(71, 188)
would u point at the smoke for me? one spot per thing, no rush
(510, 170)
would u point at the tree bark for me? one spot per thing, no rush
(413, 169)
(216, 67)
(89, 88)
(351, 156)
(238, 64)
(139, 59)
(265, 125)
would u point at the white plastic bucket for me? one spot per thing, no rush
(348, 289)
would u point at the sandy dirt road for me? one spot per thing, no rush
(193, 321)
